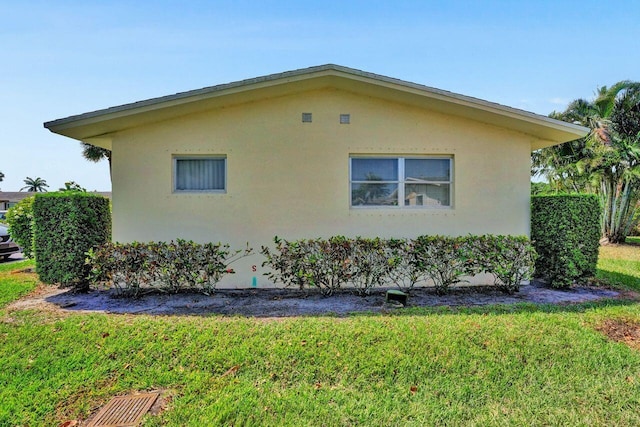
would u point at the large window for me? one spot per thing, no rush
(194, 174)
(401, 181)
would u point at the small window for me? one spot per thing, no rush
(306, 117)
(401, 182)
(345, 119)
(192, 174)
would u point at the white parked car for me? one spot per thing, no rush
(7, 246)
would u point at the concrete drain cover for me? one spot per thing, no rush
(124, 411)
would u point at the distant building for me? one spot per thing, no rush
(11, 198)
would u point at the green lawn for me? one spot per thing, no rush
(620, 264)
(13, 284)
(518, 365)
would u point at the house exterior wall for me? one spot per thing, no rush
(291, 179)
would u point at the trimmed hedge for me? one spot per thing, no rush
(329, 264)
(133, 268)
(20, 220)
(326, 264)
(66, 226)
(565, 230)
(510, 259)
(445, 260)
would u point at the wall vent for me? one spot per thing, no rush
(306, 117)
(345, 119)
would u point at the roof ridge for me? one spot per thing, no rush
(300, 75)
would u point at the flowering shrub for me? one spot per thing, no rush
(445, 260)
(367, 263)
(168, 267)
(326, 264)
(405, 269)
(510, 259)
(125, 267)
(310, 263)
(20, 220)
(330, 264)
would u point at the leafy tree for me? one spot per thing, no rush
(73, 186)
(96, 154)
(367, 193)
(37, 185)
(607, 161)
(622, 177)
(541, 188)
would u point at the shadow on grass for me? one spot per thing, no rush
(619, 280)
(518, 308)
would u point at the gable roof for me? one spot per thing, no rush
(95, 127)
(13, 196)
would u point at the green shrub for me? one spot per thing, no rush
(125, 267)
(189, 265)
(565, 230)
(510, 259)
(132, 268)
(406, 272)
(287, 261)
(66, 226)
(367, 263)
(20, 220)
(321, 263)
(445, 260)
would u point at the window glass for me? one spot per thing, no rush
(427, 195)
(426, 170)
(366, 169)
(402, 182)
(374, 194)
(205, 174)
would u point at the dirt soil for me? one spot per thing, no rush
(622, 330)
(289, 302)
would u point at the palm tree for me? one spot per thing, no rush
(567, 166)
(366, 193)
(605, 162)
(622, 176)
(36, 185)
(96, 154)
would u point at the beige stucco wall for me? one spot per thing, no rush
(291, 179)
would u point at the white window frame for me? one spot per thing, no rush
(401, 182)
(174, 161)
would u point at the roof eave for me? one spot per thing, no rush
(102, 122)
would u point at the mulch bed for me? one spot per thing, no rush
(289, 302)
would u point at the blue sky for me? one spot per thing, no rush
(70, 57)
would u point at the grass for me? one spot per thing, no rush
(633, 240)
(500, 365)
(13, 284)
(620, 264)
